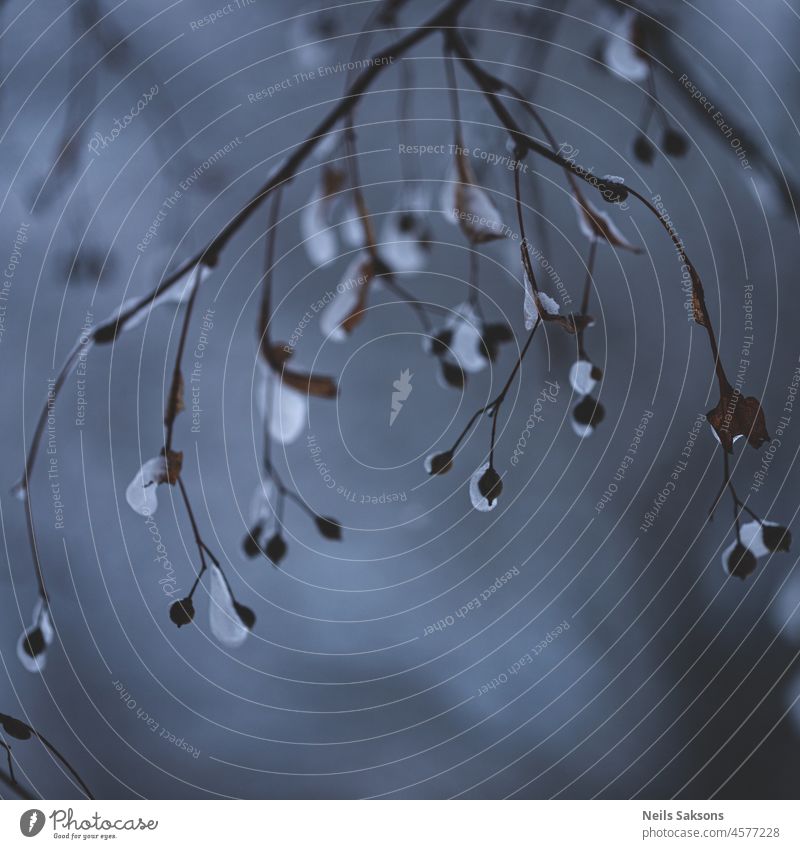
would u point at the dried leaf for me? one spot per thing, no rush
(311, 384)
(173, 466)
(598, 225)
(699, 313)
(736, 416)
(346, 310)
(316, 220)
(467, 204)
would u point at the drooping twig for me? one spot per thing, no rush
(107, 332)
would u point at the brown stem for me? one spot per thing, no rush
(446, 17)
(265, 311)
(176, 371)
(493, 406)
(489, 86)
(358, 196)
(195, 530)
(587, 293)
(697, 284)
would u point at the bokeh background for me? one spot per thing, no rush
(671, 680)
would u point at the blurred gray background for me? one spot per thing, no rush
(671, 679)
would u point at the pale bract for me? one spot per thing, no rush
(596, 225)
(283, 409)
(313, 37)
(141, 492)
(581, 430)
(319, 237)
(263, 501)
(752, 534)
(714, 433)
(469, 206)
(351, 226)
(466, 344)
(226, 624)
(336, 313)
(580, 377)
(404, 241)
(622, 54)
(530, 310)
(178, 294)
(479, 501)
(344, 310)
